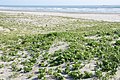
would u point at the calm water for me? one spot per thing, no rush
(78, 9)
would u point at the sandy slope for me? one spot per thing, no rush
(100, 17)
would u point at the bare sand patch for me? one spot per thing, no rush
(92, 37)
(58, 46)
(113, 42)
(4, 29)
(117, 76)
(89, 67)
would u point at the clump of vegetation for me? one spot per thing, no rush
(2, 65)
(14, 67)
(87, 74)
(42, 73)
(98, 73)
(76, 66)
(117, 42)
(6, 58)
(76, 74)
(58, 76)
(27, 69)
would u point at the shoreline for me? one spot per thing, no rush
(110, 17)
(57, 12)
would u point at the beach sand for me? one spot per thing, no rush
(41, 19)
(91, 16)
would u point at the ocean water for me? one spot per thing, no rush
(76, 9)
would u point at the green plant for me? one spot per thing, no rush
(67, 69)
(50, 71)
(2, 65)
(98, 73)
(27, 69)
(5, 58)
(76, 66)
(14, 67)
(12, 53)
(87, 75)
(76, 74)
(42, 70)
(42, 64)
(41, 75)
(58, 69)
(58, 76)
(117, 42)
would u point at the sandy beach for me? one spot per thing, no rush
(59, 46)
(91, 16)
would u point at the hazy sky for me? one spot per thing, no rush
(59, 2)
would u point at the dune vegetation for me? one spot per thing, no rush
(58, 48)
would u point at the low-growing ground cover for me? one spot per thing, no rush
(91, 48)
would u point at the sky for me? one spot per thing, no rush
(59, 2)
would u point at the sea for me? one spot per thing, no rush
(66, 8)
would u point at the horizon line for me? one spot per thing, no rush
(65, 5)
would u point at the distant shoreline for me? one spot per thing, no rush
(57, 12)
(93, 9)
(110, 17)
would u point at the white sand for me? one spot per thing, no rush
(58, 46)
(98, 16)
